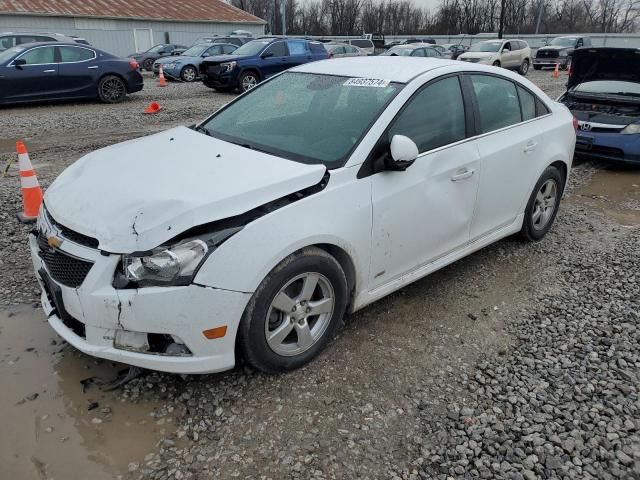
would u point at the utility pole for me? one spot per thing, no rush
(539, 16)
(501, 25)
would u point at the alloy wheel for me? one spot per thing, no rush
(545, 204)
(248, 82)
(299, 314)
(112, 89)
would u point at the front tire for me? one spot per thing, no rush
(496, 63)
(294, 312)
(524, 68)
(248, 80)
(148, 64)
(188, 74)
(543, 205)
(111, 89)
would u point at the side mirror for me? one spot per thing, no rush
(266, 55)
(18, 63)
(404, 152)
(505, 50)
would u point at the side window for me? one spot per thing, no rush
(497, 102)
(7, 42)
(432, 53)
(527, 104)
(418, 52)
(350, 49)
(579, 43)
(339, 50)
(297, 47)
(434, 117)
(541, 108)
(29, 39)
(39, 56)
(229, 48)
(507, 46)
(278, 49)
(75, 54)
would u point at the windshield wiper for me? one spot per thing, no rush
(250, 147)
(204, 130)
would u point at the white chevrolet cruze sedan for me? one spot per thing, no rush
(316, 193)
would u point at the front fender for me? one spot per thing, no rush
(339, 215)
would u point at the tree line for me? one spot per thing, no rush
(403, 17)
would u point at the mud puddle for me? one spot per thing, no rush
(613, 193)
(51, 428)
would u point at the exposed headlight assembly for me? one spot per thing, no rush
(227, 67)
(631, 128)
(169, 265)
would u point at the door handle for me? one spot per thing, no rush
(530, 147)
(91, 68)
(48, 71)
(462, 174)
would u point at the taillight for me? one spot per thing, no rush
(575, 123)
(133, 63)
(329, 55)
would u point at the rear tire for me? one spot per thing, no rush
(496, 63)
(148, 64)
(524, 68)
(543, 205)
(279, 330)
(111, 89)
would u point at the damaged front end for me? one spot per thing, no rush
(604, 96)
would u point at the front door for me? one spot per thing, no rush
(425, 212)
(274, 59)
(507, 153)
(37, 79)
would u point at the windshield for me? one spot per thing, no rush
(610, 87)
(155, 48)
(486, 47)
(8, 54)
(563, 41)
(399, 51)
(305, 117)
(252, 48)
(196, 50)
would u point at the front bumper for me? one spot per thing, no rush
(90, 316)
(170, 72)
(609, 147)
(551, 62)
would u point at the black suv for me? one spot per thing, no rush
(559, 51)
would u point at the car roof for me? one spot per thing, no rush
(396, 69)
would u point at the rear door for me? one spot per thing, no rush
(78, 71)
(298, 53)
(274, 59)
(507, 146)
(38, 79)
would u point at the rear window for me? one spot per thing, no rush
(362, 43)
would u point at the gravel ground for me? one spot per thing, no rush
(519, 361)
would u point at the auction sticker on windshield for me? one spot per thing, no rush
(366, 82)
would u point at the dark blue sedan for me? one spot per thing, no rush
(43, 71)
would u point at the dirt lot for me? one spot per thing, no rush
(519, 361)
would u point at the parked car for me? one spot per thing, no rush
(511, 54)
(413, 50)
(411, 40)
(455, 49)
(234, 40)
(146, 59)
(62, 71)
(363, 44)
(13, 39)
(559, 51)
(258, 60)
(603, 93)
(320, 191)
(339, 50)
(185, 67)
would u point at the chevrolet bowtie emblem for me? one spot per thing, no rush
(54, 242)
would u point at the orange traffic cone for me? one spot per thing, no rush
(162, 82)
(556, 71)
(31, 191)
(154, 107)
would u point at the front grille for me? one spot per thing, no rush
(71, 235)
(212, 70)
(63, 268)
(547, 54)
(472, 60)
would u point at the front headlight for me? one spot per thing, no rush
(227, 67)
(631, 129)
(170, 264)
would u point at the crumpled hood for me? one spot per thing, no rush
(227, 58)
(589, 64)
(136, 195)
(177, 59)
